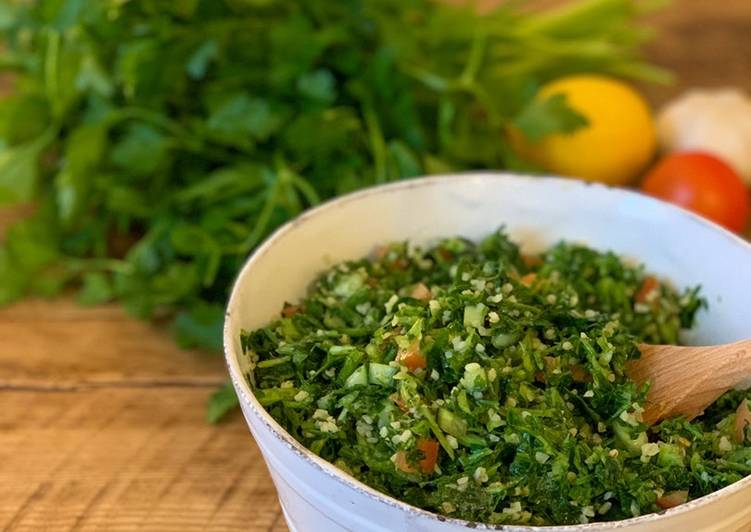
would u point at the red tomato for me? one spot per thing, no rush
(401, 462)
(672, 499)
(649, 285)
(702, 183)
(413, 358)
(429, 450)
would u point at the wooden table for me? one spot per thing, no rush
(102, 418)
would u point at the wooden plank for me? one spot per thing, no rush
(61, 345)
(706, 43)
(127, 459)
(62, 309)
(101, 417)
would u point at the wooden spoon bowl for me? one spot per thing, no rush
(686, 380)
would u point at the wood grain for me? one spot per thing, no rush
(126, 459)
(706, 43)
(64, 345)
(101, 417)
(685, 380)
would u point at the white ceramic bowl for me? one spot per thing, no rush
(318, 497)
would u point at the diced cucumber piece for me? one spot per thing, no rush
(623, 437)
(473, 441)
(451, 423)
(381, 374)
(474, 315)
(501, 340)
(359, 377)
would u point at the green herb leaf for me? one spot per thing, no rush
(541, 118)
(319, 86)
(200, 327)
(221, 403)
(19, 169)
(85, 148)
(239, 119)
(141, 151)
(198, 64)
(97, 289)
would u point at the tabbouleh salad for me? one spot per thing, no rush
(479, 383)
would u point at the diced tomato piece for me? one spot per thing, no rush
(421, 292)
(649, 285)
(412, 358)
(379, 252)
(429, 449)
(401, 263)
(531, 260)
(550, 364)
(580, 374)
(290, 310)
(401, 463)
(528, 279)
(672, 499)
(398, 401)
(446, 254)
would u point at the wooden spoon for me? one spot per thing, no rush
(686, 380)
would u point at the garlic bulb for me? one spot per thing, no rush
(716, 121)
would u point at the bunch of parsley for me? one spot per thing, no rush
(161, 141)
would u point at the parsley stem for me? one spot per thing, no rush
(272, 199)
(273, 362)
(476, 56)
(185, 141)
(427, 78)
(306, 189)
(377, 143)
(152, 117)
(51, 82)
(98, 265)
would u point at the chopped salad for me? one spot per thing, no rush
(480, 383)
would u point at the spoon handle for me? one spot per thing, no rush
(742, 359)
(685, 380)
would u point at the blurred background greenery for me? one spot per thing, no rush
(147, 147)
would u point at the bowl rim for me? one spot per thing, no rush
(246, 396)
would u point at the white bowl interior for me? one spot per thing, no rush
(536, 211)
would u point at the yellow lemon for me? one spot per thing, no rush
(614, 148)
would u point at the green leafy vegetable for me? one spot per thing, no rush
(19, 169)
(515, 365)
(221, 402)
(200, 326)
(161, 141)
(541, 118)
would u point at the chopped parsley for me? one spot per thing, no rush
(479, 383)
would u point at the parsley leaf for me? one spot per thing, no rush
(541, 118)
(221, 403)
(162, 141)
